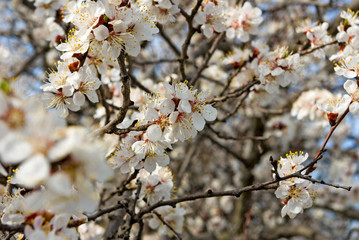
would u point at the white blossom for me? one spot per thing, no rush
(243, 21)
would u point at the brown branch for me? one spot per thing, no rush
(29, 61)
(208, 194)
(125, 89)
(191, 32)
(243, 138)
(244, 89)
(139, 236)
(310, 50)
(229, 80)
(168, 40)
(157, 61)
(235, 192)
(229, 150)
(207, 58)
(310, 167)
(123, 187)
(139, 84)
(238, 105)
(104, 104)
(178, 236)
(127, 130)
(309, 178)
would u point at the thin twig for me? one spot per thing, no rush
(242, 138)
(238, 105)
(310, 50)
(168, 40)
(310, 167)
(233, 95)
(309, 178)
(207, 58)
(125, 89)
(190, 33)
(178, 236)
(104, 104)
(208, 194)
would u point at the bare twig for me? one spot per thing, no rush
(123, 187)
(244, 89)
(229, 80)
(104, 104)
(207, 58)
(168, 40)
(191, 31)
(238, 105)
(229, 150)
(310, 167)
(310, 50)
(156, 61)
(309, 178)
(207, 194)
(242, 138)
(178, 236)
(110, 127)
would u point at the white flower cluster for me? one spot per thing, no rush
(296, 193)
(273, 68)
(102, 30)
(279, 68)
(349, 69)
(318, 35)
(243, 21)
(211, 17)
(237, 22)
(161, 11)
(177, 114)
(156, 186)
(60, 166)
(66, 89)
(348, 34)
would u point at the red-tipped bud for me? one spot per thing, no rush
(73, 67)
(332, 117)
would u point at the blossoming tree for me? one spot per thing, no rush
(193, 119)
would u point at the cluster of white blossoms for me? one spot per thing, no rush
(296, 193)
(318, 36)
(53, 171)
(102, 30)
(279, 68)
(58, 169)
(348, 35)
(348, 68)
(178, 113)
(156, 186)
(211, 17)
(66, 88)
(243, 21)
(161, 11)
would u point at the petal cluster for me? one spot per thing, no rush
(296, 193)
